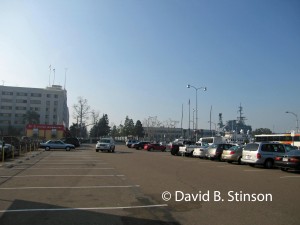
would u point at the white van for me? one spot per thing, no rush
(262, 153)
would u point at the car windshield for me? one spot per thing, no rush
(234, 148)
(251, 147)
(105, 140)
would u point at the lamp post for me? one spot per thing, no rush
(205, 89)
(297, 122)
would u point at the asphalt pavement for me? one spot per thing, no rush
(140, 187)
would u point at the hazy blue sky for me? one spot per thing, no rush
(136, 57)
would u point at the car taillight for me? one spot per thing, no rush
(293, 159)
(258, 155)
(278, 158)
(232, 152)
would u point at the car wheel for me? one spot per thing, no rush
(151, 149)
(174, 152)
(97, 150)
(284, 169)
(47, 148)
(68, 149)
(268, 164)
(229, 161)
(240, 160)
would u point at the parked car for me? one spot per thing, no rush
(233, 154)
(56, 145)
(7, 150)
(72, 140)
(139, 145)
(129, 143)
(200, 151)
(291, 160)
(154, 146)
(215, 151)
(262, 153)
(106, 144)
(174, 146)
(189, 148)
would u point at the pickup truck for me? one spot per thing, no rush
(174, 146)
(188, 150)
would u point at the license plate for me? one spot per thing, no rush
(285, 159)
(247, 157)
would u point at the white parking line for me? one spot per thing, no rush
(23, 168)
(75, 209)
(26, 176)
(41, 163)
(290, 177)
(261, 170)
(80, 187)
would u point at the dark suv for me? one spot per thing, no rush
(72, 140)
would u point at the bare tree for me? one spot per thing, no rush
(81, 111)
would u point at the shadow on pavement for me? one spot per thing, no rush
(34, 213)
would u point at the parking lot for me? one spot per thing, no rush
(141, 187)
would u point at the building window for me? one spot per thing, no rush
(55, 96)
(7, 93)
(21, 94)
(6, 107)
(21, 101)
(36, 95)
(48, 95)
(20, 108)
(5, 114)
(47, 102)
(34, 109)
(55, 103)
(6, 100)
(35, 101)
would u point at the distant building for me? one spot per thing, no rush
(50, 103)
(170, 133)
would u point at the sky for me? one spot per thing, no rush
(135, 57)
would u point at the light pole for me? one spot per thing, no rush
(297, 122)
(205, 89)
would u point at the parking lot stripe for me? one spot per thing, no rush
(75, 209)
(41, 163)
(25, 176)
(23, 168)
(290, 177)
(79, 187)
(261, 170)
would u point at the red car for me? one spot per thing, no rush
(152, 146)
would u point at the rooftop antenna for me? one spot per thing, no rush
(65, 77)
(53, 75)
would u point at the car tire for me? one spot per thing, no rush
(174, 152)
(97, 150)
(284, 169)
(68, 149)
(239, 161)
(151, 149)
(268, 164)
(47, 148)
(229, 161)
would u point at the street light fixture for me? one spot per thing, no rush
(297, 122)
(205, 89)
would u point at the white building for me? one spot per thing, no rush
(50, 103)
